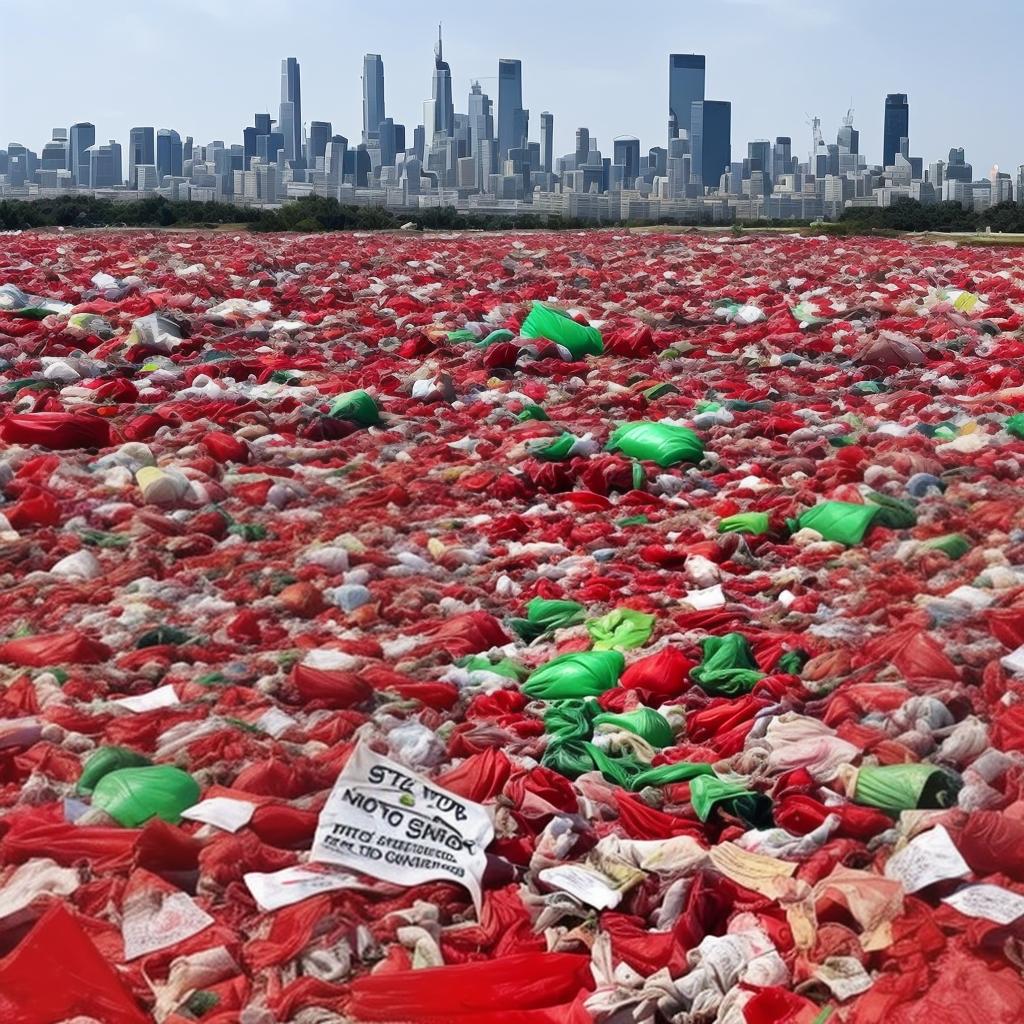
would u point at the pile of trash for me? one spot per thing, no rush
(555, 627)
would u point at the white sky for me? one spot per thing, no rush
(205, 66)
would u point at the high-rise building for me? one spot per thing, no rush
(334, 158)
(895, 127)
(439, 110)
(81, 137)
(711, 139)
(55, 156)
(782, 157)
(957, 169)
(373, 94)
(582, 146)
(105, 166)
(626, 154)
(392, 141)
(141, 150)
(511, 128)
(685, 87)
(290, 120)
(260, 127)
(547, 141)
(759, 154)
(319, 135)
(168, 153)
(481, 120)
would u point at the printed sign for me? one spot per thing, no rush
(386, 821)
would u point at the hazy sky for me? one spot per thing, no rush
(205, 66)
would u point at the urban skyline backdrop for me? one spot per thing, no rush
(204, 66)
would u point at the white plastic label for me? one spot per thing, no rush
(587, 886)
(223, 811)
(992, 902)
(161, 697)
(926, 859)
(276, 889)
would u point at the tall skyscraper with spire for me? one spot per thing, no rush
(290, 119)
(439, 110)
(373, 95)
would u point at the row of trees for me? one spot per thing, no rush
(910, 215)
(313, 213)
(316, 213)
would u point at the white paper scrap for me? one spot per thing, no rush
(928, 858)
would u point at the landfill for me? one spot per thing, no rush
(522, 628)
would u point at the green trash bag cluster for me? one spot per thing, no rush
(844, 522)
(621, 629)
(904, 787)
(570, 725)
(131, 796)
(727, 668)
(664, 443)
(544, 615)
(581, 674)
(745, 522)
(357, 406)
(552, 324)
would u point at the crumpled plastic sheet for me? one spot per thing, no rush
(266, 497)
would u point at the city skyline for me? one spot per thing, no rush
(626, 97)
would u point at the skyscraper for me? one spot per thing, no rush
(168, 153)
(290, 120)
(319, 135)
(782, 156)
(481, 120)
(140, 151)
(582, 146)
(510, 106)
(896, 126)
(81, 137)
(685, 87)
(373, 94)
(547, 141)
(439, 110)
(710, 139)
(626, 154)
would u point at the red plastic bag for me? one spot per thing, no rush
(56, 973)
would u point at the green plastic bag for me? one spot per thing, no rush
(793, 661)
(533, 412)
(645, 722)
(357, 406)
(727, 668)
(666, 774)
(552, 324)
(709, 791)
(896, 515)
(581, 674)
(663, 443)
(955, 545)
(104, 760)
(903, 787)
(1015, 425)
(495, 337)
(842, 521)
(544, 615)
(131, 796)
(557, 450)
(745, 522)
(621, 628)
(461, 335)
(503, 667)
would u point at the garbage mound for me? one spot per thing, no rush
(555, 627)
